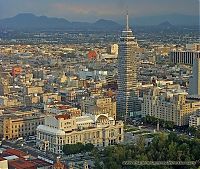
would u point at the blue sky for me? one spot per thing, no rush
(91, 10)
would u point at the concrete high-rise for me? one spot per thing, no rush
(127, 95)
(184, 57)
(194, 85)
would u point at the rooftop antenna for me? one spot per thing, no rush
(127, 27)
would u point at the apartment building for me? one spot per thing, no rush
(169, 105)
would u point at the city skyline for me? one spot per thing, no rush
(92, 10)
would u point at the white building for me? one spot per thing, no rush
(113, 49)
(58, 130)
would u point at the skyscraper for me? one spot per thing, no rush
(194, 88)
(127, 95)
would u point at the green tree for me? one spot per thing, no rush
(172, 151)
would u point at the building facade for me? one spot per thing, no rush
(195, 119)
(169, 106)
(193, 47)
(20, 124)
(184, 57)
(113, 49)
(97, 105)
(100, 130)
(127, 94)
(194, 85)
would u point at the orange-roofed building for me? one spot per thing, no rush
(21, 164)
(63, 116)
(17, 70)
(42, 164)
(16, 152)
(59, 165)
(92, 54)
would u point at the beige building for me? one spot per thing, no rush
(33, 90)
(9, 101)
(19, 124)
(3, 163)
(29, 100)
(113, 49)
(169, 106)
(59, 108)
(97, 105)
(48, 97)
(193, 47)
(100, 130)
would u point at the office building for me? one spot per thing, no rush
(127, 94)
(194, 85)
(184, 57)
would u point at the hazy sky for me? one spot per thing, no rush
(91, 10)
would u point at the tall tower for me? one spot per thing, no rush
(194, 85)
(127, 95)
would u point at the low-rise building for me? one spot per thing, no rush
(59, 108)
(33, 90)
(6, 101)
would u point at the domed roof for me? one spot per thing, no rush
(59, 165)
(92, 54)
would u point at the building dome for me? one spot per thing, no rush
(92, 54)
(59, 165)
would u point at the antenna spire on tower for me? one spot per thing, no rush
(127, 25)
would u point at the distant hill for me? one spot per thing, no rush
(102, 23)
(174, 19)
(33, 22)
(30, 21)
(165, 25)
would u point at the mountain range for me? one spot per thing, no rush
(174, 19)
(29, 21)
